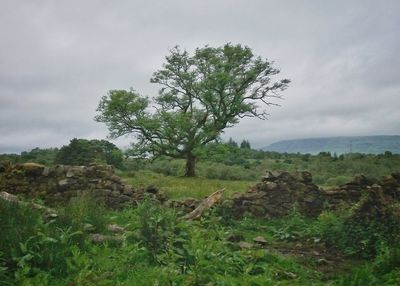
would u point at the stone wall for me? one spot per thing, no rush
(59, 183)
(279, 192)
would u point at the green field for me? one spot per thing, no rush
(158, 247)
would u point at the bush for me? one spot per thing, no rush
(17, 224)
(329, 228)
(167, 167)
(387, 260)
(81, 211)
(337, 181)
(364, 237)
(156, 226)
(384, 270)
(32, 251)
(224, 172)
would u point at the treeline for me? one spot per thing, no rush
(227, 161)
(219, 160)
(78, 152)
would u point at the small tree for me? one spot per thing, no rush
(232, 142)
(200, 96)
(85, 152)
(245, 144)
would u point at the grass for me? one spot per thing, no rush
(160, 248)
(182, 187)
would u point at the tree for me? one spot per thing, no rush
(85, 152)
(200, 96)
(232, 142)
(245, 144)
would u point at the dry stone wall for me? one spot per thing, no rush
(59, 183)
(279, 192)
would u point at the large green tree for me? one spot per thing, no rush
(200, 96)
(85, 152)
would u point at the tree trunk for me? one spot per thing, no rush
(190, 165)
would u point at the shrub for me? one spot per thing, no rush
(167, 167)
(387, 260)
(337, 181)
(329, 227)
(82, 210)
(17, 223)
(225, 172)
(156, 227)
(364, 237)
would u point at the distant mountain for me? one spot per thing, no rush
(339, 145)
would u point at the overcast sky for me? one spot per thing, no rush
(57, 58)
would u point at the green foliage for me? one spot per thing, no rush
(156, 226)
(387, 259)
(183, 187)
(81, 211)
(17, 224)
(226, 172)
(355, 237)
(33, 252)
(245, 144)
(167, 167)
(86, 152)
(162, 249)
(232, 143)
(359, 277)
(294, 227)
(329, 228)
(227, 162)
(383, 270)
(363, 237)
(37, 155)
(200, 96)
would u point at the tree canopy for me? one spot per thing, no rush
(200, 96)
(85, 152)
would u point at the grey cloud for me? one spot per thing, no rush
(57, 58)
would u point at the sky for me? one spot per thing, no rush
(58, 58)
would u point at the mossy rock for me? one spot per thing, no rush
(32, 169)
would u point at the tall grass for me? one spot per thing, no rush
(182, 187)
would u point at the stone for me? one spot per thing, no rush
(116, 179)
(279, 193)
(115, 228)
(8, 197)
(270, 186)
(260, 240)
(32, 169)
(64, 182)
(396, 176)
(46, 171)
(124, 198)
(151, 189)
(59, 183)
(245, 245)
(101, 238)
(59, 170)
(5, 166)
(235, 237)
(114, 194)
(88, 227)
(127, 190)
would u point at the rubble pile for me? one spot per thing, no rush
(59, 183)
(280, 192)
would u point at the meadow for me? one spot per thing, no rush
(156, 246)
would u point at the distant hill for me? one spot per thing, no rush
(339, 145)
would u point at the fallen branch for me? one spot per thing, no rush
(205, 205)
